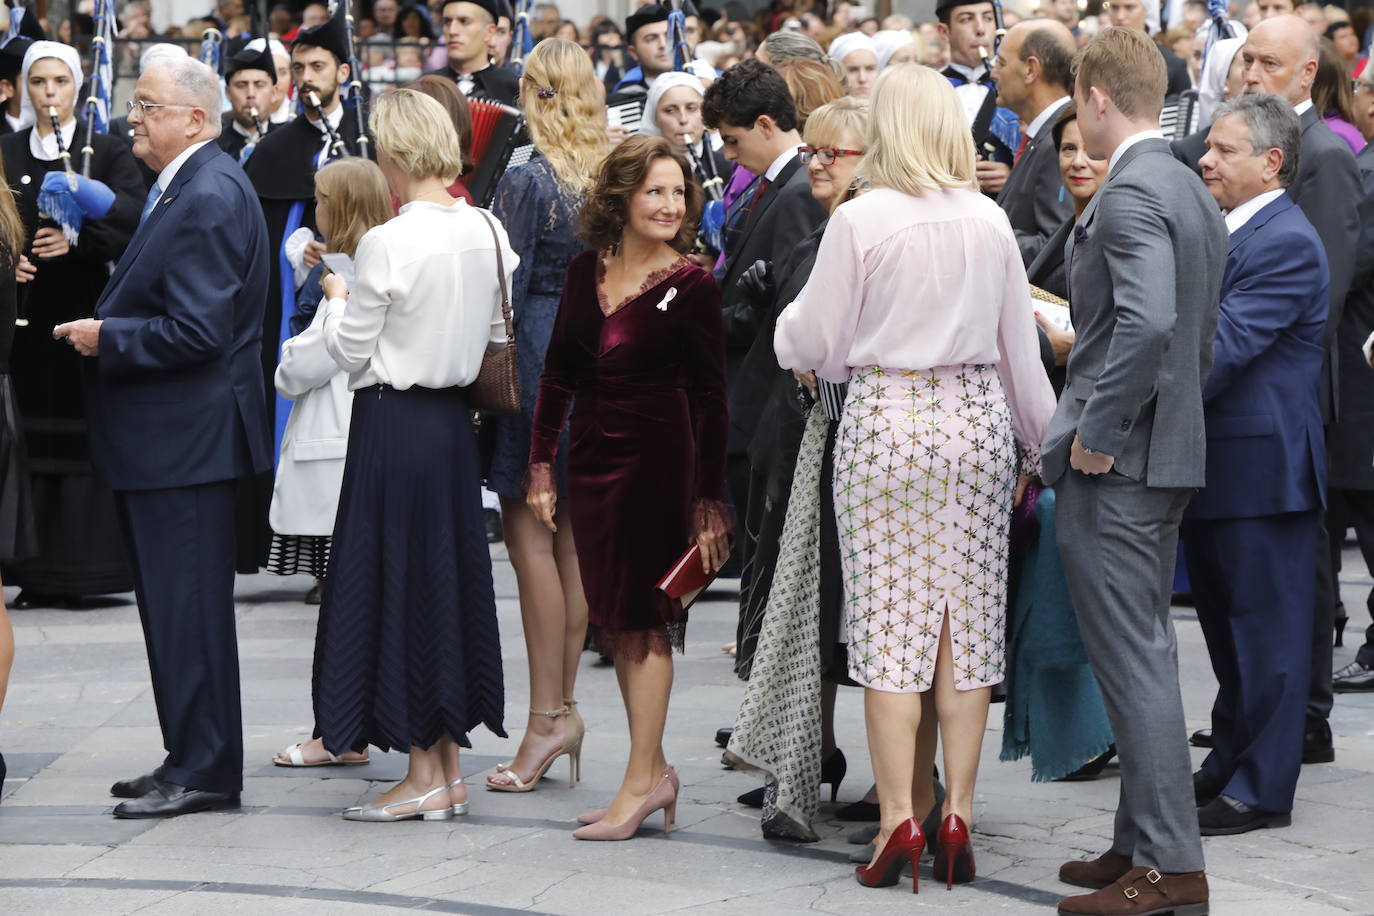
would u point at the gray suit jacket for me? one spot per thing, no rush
(1144, 265)
(1034, 198)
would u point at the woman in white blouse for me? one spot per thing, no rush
(407, 653)
(919, 300)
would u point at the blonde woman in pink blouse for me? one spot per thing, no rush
(919, 300)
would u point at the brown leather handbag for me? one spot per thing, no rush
(496, 390)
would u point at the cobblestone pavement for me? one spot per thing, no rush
(80, 715)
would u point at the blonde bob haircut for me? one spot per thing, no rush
(918, 137)
(828, 123)
(563, 108)
(417, 134)
(358, 199)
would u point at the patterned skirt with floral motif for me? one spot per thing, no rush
(925, 473)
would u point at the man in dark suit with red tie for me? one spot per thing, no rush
(177, 413)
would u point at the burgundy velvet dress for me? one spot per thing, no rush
(649, 426)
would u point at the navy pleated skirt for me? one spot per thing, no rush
(407, 648)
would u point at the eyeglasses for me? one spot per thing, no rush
(825, 154)
(143, 107)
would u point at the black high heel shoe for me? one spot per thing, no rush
(832, 773)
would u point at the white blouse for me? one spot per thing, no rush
(915, 282)
(425, 305)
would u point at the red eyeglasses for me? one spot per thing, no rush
(826, 154)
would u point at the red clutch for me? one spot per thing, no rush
(686, 580)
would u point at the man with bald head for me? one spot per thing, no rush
(174, 347)
(1032, 74)
(1280, 57)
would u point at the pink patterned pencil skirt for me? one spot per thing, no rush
(925, 474)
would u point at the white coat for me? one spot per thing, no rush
(305, 496)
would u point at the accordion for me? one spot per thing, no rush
(499, 142)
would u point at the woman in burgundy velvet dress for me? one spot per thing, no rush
(638, 348)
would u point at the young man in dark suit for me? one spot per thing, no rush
(175, 343)
(1250, 535)
(753, 111)
(469, 27)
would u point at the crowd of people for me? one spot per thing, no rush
(929, 333)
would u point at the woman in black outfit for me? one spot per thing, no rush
(80, 545)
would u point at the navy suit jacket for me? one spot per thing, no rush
(1266, 452)
(176, 392)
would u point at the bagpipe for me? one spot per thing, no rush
(712, 228)
(66, 198)
(356, 98)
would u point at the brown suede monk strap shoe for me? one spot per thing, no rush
(1143, 892)
(1100, 872)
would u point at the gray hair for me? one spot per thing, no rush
(784, 47)
(160, 51)
(1273, 125)
(196, 85)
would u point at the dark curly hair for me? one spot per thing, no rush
(744, 93)
(622, 173)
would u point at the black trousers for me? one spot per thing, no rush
(181, 544)
(1354, 509)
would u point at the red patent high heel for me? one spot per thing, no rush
(905, 845)
(955, 855)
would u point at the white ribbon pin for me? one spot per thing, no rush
(667, 297)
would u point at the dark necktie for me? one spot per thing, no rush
(754, 201)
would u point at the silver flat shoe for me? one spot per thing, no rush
(459, 808)
(381, 813)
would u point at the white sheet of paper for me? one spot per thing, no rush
(340, 264)
(1057, 314)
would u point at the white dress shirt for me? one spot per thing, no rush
(779, 164)
(169, 171)
(1301, 107)
(972, 74)
(44, 149)
(425, 303)
(1129, 142)
(1241, 215)
(1052, 109)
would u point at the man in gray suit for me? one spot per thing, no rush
(1125, 451)
(1280, 57)
(1032, 74)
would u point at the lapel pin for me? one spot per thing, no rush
(667, 297)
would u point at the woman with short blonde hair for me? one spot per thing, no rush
(407, 653)
(919, 300)
(417, 135)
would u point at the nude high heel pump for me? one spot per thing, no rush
(573, 732)
(662, 798)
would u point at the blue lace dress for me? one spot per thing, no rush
(541, 218)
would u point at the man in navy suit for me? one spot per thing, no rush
(177, 413)
(1251, 534)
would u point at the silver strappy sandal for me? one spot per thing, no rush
(382, 813)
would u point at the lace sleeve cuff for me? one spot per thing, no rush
(1029, 459)
(539, 479)
(710, 515)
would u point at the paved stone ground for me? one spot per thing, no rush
(80, 714)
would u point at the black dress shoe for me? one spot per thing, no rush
(723, 736)
(171, 800)
(137, 787)
(28, 599)
(1353, 678)
(1316, 743)
(1201, 738)
(1205, 789)
(1224, 815)
(1092, 769)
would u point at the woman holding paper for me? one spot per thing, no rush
(638, 349)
